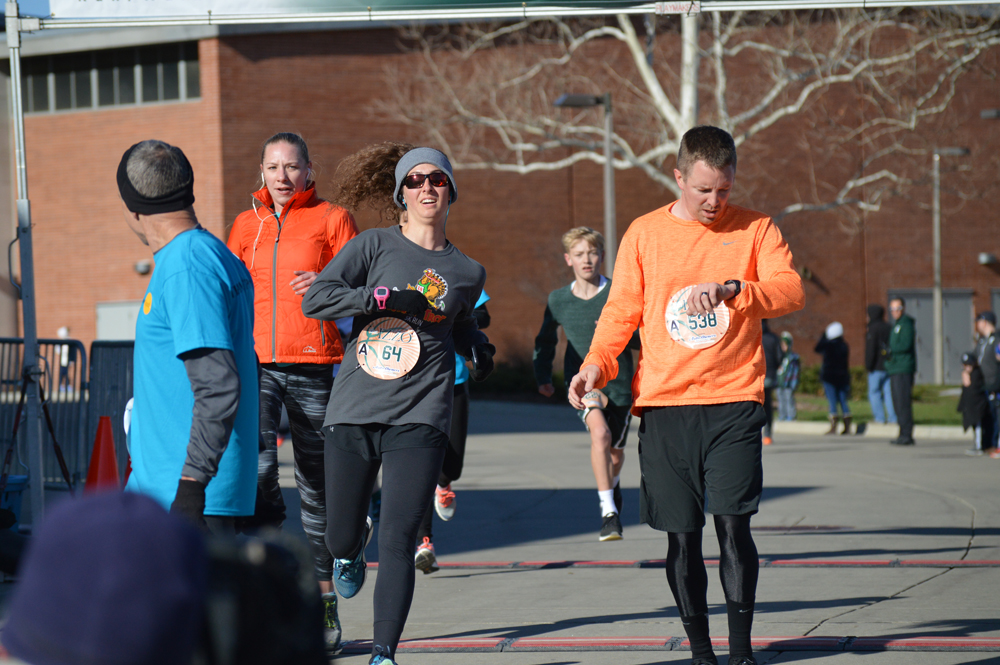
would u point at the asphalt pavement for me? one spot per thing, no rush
(870, 553)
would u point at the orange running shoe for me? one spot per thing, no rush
(425, 559)
(444, 502)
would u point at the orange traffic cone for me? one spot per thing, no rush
(103, 471)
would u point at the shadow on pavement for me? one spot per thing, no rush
(894, 553)
(538, 629)
(493, 519)
(951, 628)
(716, 611)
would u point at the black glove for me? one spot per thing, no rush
(482, 361)
(190, 502)
(413, 303)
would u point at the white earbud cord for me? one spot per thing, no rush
(253, 257)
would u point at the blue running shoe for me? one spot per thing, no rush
(349, 574)
(380, 658)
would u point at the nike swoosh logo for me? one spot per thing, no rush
(728, 243)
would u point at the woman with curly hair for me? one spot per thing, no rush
(412, 295)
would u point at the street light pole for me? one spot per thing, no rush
(610, 223)
(938, 295)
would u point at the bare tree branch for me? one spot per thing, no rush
(484, 92)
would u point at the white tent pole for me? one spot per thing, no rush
(32, 370)
(471, 12)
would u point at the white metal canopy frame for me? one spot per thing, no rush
(79, 14)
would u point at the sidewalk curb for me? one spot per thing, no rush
(871, 430)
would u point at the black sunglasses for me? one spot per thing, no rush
(416, 180)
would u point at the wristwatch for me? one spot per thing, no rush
(381, 295)
(737, 284)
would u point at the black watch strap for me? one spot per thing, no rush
(736, 283)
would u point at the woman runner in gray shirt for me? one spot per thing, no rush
(412, 295)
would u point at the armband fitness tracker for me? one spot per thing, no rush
(737, 284)
(381, 295)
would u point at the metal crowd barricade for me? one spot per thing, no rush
(64, 383)
(110, 391)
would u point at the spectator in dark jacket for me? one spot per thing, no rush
(772, 359)
(901, 365)
(876, 346)
(835, 374)
(986, 342)
(973, 404)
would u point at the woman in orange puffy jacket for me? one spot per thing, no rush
(288, 236)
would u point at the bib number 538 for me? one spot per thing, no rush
(703, 321)
(698, 331)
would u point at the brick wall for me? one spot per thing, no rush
(84, 252)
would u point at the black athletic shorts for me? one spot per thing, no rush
(370, 441)
(618, 419)
(699, 458)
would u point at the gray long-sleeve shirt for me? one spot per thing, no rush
(451, 282)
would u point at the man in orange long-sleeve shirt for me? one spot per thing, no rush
(696, 277)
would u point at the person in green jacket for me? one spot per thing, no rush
(607, 413)
(901, 365)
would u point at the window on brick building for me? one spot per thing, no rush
(114, 77)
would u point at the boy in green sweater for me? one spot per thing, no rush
(607, 415)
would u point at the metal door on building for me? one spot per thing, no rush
(959, 336)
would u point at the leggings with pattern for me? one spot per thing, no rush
(305, 392)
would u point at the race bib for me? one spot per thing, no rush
(388, 348)
(699, 331)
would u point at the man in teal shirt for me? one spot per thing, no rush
(901, 365)
(195, 419)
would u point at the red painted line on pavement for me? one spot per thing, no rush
(820, 643)
(947, 562)
(830, 562)
(799, 643)
(457, 643)
(659, 563)
(667, 643)
(972, 643)
(587, 642)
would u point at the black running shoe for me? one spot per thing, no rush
(705, 661)
(617, 496)
(742, 660)
(611, 529)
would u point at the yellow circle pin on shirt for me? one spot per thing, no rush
(699, 331)
(388, 348)
(147, 304)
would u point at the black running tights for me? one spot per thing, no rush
(738, 565)
(408, 478)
